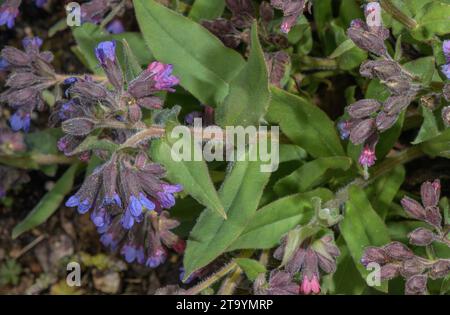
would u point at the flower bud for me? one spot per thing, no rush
(411, 267)
(395, 104)
(151, 102)
(15, 57)
(421, 237)
(389, 271)
(413, 208)
(446, 116)
(416, 285)
(430, 193)
(362, 131)
(446, 91)
(398, 251)
(433, 216)
(372, 11)
(374, 254)
(134, 113)
(382, 69)
(366, 40)
(385, 121)
(363, 108)
(398, 85)
(20, 80)
(440, 269)
(89, 90)
(266, 12)
(78, 126)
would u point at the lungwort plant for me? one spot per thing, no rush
(349, 99)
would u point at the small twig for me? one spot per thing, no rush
(36, 241)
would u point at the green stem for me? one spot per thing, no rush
(397, 14)
(212, 279)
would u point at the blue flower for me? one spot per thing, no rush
(40, 3)
(32, 43)
(127, 220)
(446, 70)
(166, 197)
(3, 64)
(158, 257)
(106, 51)
(344, 129)
(115, 27)
(8, 13)
(20, 121)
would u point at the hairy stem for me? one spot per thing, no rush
(212, 279)
(397, 14)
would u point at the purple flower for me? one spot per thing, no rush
(162, 76)
(115, 27)
(344, 129)
(40, 3)
(367, 157)
(446, 49)
(20, 121)
(70, 80)
(166, 196)
(3, 64)
(8, 12)
(157, 258)
(446, 70)
(133, 252)
(106, 51)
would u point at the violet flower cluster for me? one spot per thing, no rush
(292, 9)
(369, 117)
(236, 31)
(126, 196)
(307, 259)
(9, 11)
(446, 49)
(31, 73)
(396, 259)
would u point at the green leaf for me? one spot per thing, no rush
(383, 191)
(342, 48)
(304, 124)
(429, 128)
(131, 63)
(240, 194)
(251, 267)
(438, 146)
(424, 68)
(193, 175)
(206, 9)
(249, 93)
(311, 174)
(205, 66)
(44, 142)
(432, 19)
(274, 220)
(48, 204)
(362, 227)
(89, 35)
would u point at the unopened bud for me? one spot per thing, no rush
(430, 192)
(446, 91)
(89, 89)
(440, 269)
(433, 216)
(382, 69)
(398, 251)
(446, 116)
(365, 39)
(363, 108)
(411, 267)
(385, 121)
(15, 57)
(416, 285)
(21, 80)
(421, 237)
(413, 208)
(362, 131)
(134, 113)
(395, 104)
(389, 271)
(78, 126)
(374, 254)
(398, 85)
